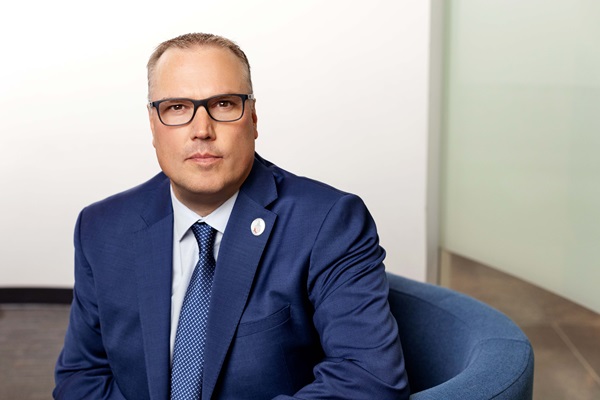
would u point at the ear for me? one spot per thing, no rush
(255, 121)
(151, 119)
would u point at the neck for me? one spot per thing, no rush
(201, 204)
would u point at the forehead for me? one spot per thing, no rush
(198, 71)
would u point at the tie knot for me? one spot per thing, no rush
(205, 235)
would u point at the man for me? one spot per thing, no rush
(296, 305)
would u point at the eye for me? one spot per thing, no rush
(224, 103)
(175, 107)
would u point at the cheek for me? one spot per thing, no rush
(245, 146)
(164, 143)
(158, 144)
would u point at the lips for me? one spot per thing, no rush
(203, 158)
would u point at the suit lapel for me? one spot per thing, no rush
(154, 256)
(239, 256)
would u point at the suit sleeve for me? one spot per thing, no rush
(348, 288)
(82, 370)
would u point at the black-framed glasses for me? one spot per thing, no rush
(221, 108)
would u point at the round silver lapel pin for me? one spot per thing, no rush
(257, 227)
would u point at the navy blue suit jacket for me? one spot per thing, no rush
(299, 311)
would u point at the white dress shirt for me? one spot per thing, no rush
(185, 249)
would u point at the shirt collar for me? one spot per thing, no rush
(184, 218)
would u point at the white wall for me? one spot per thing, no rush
(342, 92)
(521, 164)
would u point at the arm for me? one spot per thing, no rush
(82, 370)
(348, 288)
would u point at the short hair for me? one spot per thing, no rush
(190, 40)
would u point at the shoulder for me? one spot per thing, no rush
(290, 184)
(128, 205)
(308, 196)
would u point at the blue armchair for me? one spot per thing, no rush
(456, 347)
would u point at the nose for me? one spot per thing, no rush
(202, 125)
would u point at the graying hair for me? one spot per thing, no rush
(196, 39)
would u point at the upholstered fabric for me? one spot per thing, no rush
(456, 347)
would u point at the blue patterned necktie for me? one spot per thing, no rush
(188, 353)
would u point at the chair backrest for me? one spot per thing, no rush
(456, 347)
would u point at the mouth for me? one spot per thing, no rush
(204, 158)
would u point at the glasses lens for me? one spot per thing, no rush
(176, 112)
(226, 108)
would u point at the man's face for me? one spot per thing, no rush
(207, 161)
